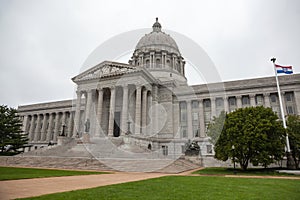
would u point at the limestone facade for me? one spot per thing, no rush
(148, 101)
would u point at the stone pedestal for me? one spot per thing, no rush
(86, 138)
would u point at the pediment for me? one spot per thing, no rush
(105, 69)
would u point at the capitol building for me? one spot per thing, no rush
(148, 104)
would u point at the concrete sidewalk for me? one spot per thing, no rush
(39, 186)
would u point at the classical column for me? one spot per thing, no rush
(99, 112)
(144, 111)
(252, 100)
(37, 128)
(63, 119)
(70, 122)
(267, 100)
(149, 116)
(226, 104)
(49, 131)
(25, 123)
(138, 110)
(77, 114)
(112, 111)
(155, 110)
(124, 110)
(213, 106)
(201, 119)
(151, 59)
(88, 105)
(189, 119)
(239, 102)
(297, 101)
(31, 129)
(43, 131)
(56, 127)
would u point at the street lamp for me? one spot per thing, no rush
(233, 157)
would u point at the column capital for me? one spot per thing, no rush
(252, 95)
(238, 96)
(138, 87)
(99, 88)
(266, 94)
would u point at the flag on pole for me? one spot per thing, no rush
(284, 69)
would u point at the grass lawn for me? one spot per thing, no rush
(12, 173)
(249, 172)
(185, 187)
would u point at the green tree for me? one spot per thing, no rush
(10, 130)
(251, 135)
(215, 127)
(293, 129)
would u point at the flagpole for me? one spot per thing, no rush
(281, 107)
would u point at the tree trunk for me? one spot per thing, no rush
(244, 165)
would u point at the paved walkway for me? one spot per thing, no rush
(35, 187)
(39, 186)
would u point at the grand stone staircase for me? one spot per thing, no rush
(101, 154)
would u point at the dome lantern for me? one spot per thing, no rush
(156, 26)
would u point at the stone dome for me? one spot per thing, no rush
(157, 40)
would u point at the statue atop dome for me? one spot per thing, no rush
(156, 26)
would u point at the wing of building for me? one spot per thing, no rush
(148, 102)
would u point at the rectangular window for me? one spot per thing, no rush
(232, 101)
(245, 100)
(195, 104)
(259, 100)
(290, 110)
(206, 103)
(165, 150)
(183, 132)
(196, 131)
(219, 102)
(273, 98)
(289, 96)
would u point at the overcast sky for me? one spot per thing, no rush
(43, 43)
